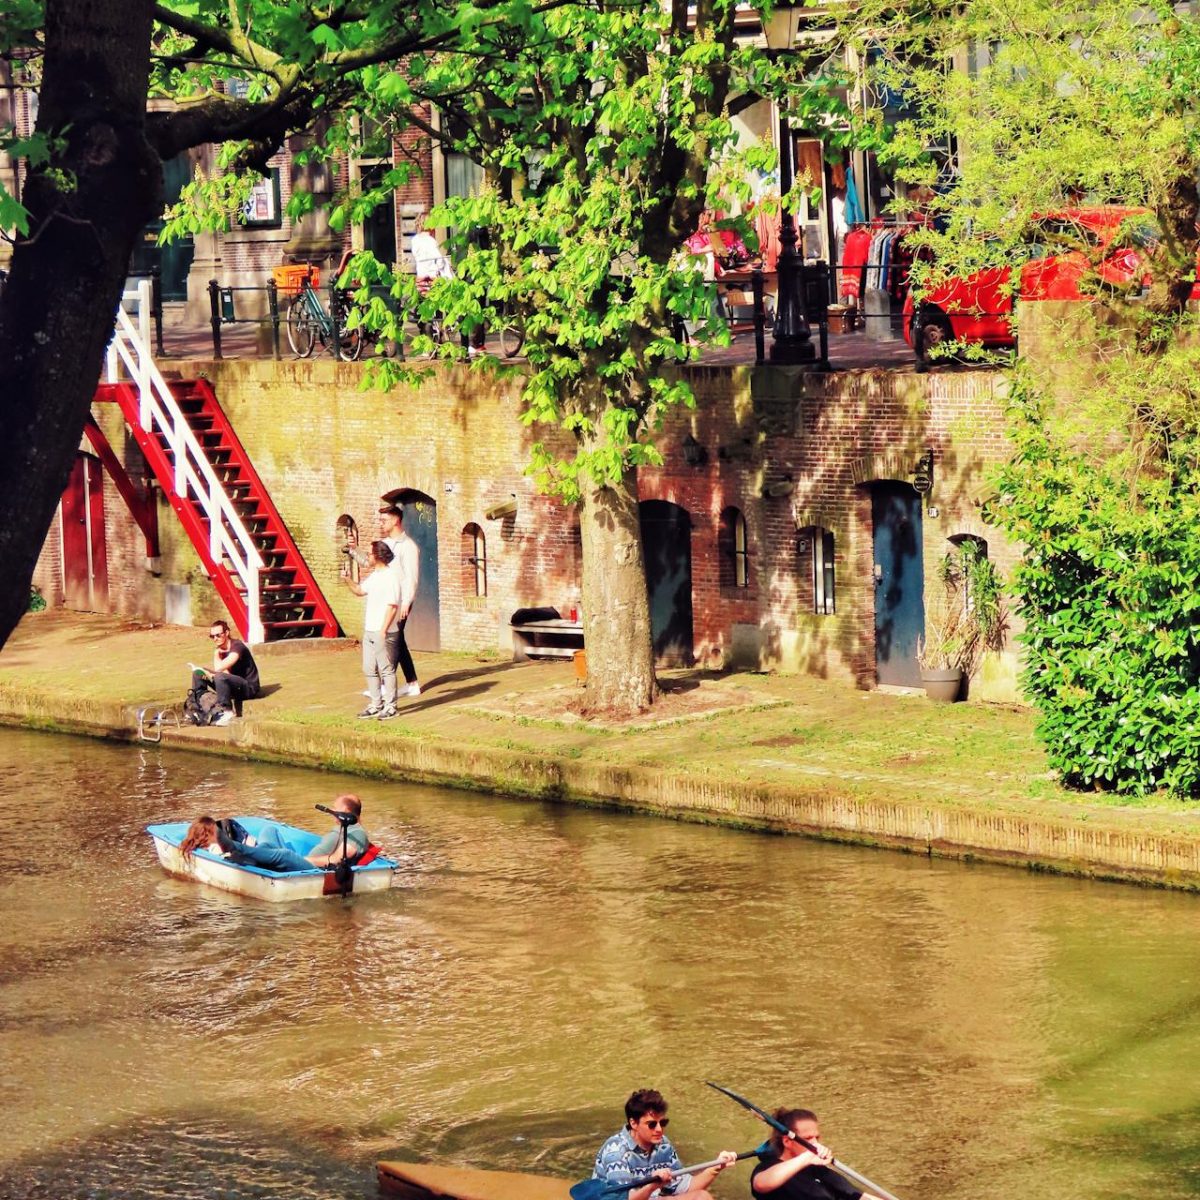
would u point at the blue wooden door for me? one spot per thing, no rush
(899, 582)
(667, 548)
(423, 631)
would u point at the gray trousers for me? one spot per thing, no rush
(379, 666)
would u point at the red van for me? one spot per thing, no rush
(979, 307)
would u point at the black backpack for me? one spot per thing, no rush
(200, 705)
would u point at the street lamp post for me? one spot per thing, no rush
(792, 343)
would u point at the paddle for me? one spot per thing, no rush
(595, 1189)
(840, 1167)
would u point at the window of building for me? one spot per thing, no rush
(823, 573)
(733, 550)
(967, 549)
(474, 561)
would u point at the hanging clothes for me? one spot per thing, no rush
(767, 230)
(855, 213)
(855, 251)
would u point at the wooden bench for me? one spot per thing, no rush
(553, 638)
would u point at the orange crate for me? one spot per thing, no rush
(290, 278)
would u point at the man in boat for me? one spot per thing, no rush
(790, 1172)
(642, 1148)
(273, 852)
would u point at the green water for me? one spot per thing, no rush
(962, 1031)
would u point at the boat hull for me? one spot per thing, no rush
(422, 1181)
(245, 880)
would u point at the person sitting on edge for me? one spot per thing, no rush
(642, 1148)
(234, 672)
(789, 1172)
(274, 854)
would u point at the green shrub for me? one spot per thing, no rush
(1105, 498)
(37, 601)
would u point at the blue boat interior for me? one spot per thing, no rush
(300, 840)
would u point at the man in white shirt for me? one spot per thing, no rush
(382, 591)
(406, 562)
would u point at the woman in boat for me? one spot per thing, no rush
(790, 1172)
(201, 835)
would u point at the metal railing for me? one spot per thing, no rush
(195, 479)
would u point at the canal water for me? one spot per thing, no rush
(964, 1032)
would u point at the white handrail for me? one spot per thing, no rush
(159, 412)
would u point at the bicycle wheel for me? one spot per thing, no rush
(351, 344)
(301, 329)
(512, 338)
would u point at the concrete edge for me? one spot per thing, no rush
(952, 831)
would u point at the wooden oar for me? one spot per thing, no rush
(597, 1189)
(840, 1167)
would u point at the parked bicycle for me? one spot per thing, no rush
(310, 322)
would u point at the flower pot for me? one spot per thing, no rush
(943, 686)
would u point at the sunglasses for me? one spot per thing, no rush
(216, 637)
(652, 1124)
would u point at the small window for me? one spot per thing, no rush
(733, 550)
(474, 562)
(968, 549)
(823, 575)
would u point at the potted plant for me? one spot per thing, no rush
(963, 618)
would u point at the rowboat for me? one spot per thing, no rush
(420, 1181)
(248, 880)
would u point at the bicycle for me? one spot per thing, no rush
(308, 321)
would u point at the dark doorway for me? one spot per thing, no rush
(423, 631)
(85, 562)
(899, 582)
(379, 225)
(174, 260)
(667, 546)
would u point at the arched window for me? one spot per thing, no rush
(968, 550)
(818, 543)
(732, 548)
(474, 561)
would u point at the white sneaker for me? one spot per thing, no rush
(413, 689)
(225, 718)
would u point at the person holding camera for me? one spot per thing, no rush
(274, 854)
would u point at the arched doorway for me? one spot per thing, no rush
(899, 581)
(667, 547)
(85, 559)
(423, 631)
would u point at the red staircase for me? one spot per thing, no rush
(204, 470)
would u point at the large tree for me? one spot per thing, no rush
(93, 175)
(604, 129)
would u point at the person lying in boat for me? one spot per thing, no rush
(790, 1172)
(642, 1148)
(273, 852)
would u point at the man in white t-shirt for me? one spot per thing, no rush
(406, 562)
(382, 591)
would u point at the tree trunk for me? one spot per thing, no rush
(57, 311)
(616, 616)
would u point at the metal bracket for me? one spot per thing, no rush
(163, 716)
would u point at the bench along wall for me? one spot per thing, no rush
(795, 456)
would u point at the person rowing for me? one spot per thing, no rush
(643, 1149)
(790, 1171)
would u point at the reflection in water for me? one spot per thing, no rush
(963, 1032)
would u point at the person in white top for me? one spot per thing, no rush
(380, 630)
(430, 261)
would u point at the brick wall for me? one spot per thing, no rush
(790, 451)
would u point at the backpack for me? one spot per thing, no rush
(200, 705)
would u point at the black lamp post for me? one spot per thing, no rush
(792, 343)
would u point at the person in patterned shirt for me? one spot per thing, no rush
(643, 1148)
